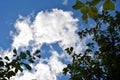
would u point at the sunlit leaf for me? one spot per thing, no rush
(108, 5)
(84, 10)
(95, 2)
(93, 12)
(78, 5)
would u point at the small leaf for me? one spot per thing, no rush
(16, 70)
(0, 58)
(15, 51)
(6, 57)
(78, 5)
(37, 51)
(22, 55)
(17, 66)
(65, 70)
(71, 49)
(28, 66)
(31, 60)
(95, 2)
(28, 52)
(1, 63)
(38, 56)
(84, 18)
(108, 5)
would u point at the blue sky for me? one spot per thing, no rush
(49, 25)
(10, 10)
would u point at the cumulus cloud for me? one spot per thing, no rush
(56, 26)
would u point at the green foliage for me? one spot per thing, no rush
(78, 5)
(10, 67)
(108, 5)
(101, 60)
(89, 9)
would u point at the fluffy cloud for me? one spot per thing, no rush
(57, 26)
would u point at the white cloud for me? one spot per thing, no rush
(65, 2)
(47, 27)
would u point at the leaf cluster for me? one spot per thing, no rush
(89, 9)
(102, 63)
(10, 67)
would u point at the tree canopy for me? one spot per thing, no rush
(101, 60)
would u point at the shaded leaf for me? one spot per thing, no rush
(6, 57)
(1, 63)
(28, 66)
(22, 55)
(28, 52)
(84, 18)
(15, 51)
(37, 52)
(31, 60)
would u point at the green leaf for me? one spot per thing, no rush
(93, 12)
(1, 63)
(68, 51)
(84, 10)
(37, 52)
(38, 56)
(28, 52)
(15, 51)
(16, 65)
(84, 18)
(31, 60)
(65, 70)
(22, 55)
(78, 5)
(0, 58)
(6, 57)
(71, 49)
(108, 5)
(95, 2)
(28, 66)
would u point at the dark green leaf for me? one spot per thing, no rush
(31, 60)
(71, 49)
(78, 5)
(1, 63)
(22, 55)
(6, 57)
(37, 52)
(28, 52)
(15, 51)
(84, 18)
(28, 66)
(38, 56)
